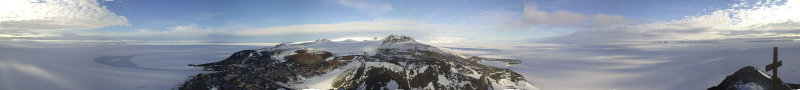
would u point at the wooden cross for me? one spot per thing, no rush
(774, 67)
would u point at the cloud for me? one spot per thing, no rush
(743, 22)
(21, 33)
(532, 15)
(57, 14)
(445, 39)
(344, 27)
(369, 7)
(356, 38)
(177, 35)
(188, 28)
(24, 18)
(532, 18)
(191, 31)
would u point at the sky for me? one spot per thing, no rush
(184, 22)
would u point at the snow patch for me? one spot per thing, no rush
(748, 86)
(444, 80)
(392, 85)
(390, 66)
(325, 81)
(764, 74)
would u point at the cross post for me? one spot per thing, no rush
(774, 68)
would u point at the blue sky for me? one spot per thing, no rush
(276, 21)
(158, 14)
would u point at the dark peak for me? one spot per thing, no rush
(397, 38)
(752, 72)
(748, 69)
(322, 40)
(283, 44)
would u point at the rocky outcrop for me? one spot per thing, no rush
(750, 78)
(396, 39)
(304, 57)
(396, 62)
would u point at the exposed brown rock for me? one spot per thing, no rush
(304, 58)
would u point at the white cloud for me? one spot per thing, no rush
(356, 38)
(369, 7)
(143, 31)
(532, 18)
(22, 33)
(532, 15)
(188, 28)
(182, 31)
(56, 15)
(756, 21)
(165, 36)
(356, 26)
(765, 16)
(445, 40)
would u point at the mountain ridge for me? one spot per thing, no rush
(395, 62)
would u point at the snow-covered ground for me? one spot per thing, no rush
(79, 67)
(634, 66)
(547, 66)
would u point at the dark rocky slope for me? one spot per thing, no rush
(750, 78)
(396, 62)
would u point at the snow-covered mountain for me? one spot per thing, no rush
(395, 62)
(750, 78)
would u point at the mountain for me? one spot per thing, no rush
(750, 78)
(395, 62)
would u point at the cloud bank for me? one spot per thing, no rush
(532, 15)
(56, 15)
(764, 20)
(345, 27)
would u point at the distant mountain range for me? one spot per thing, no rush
(750, 78)
(395, 62)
